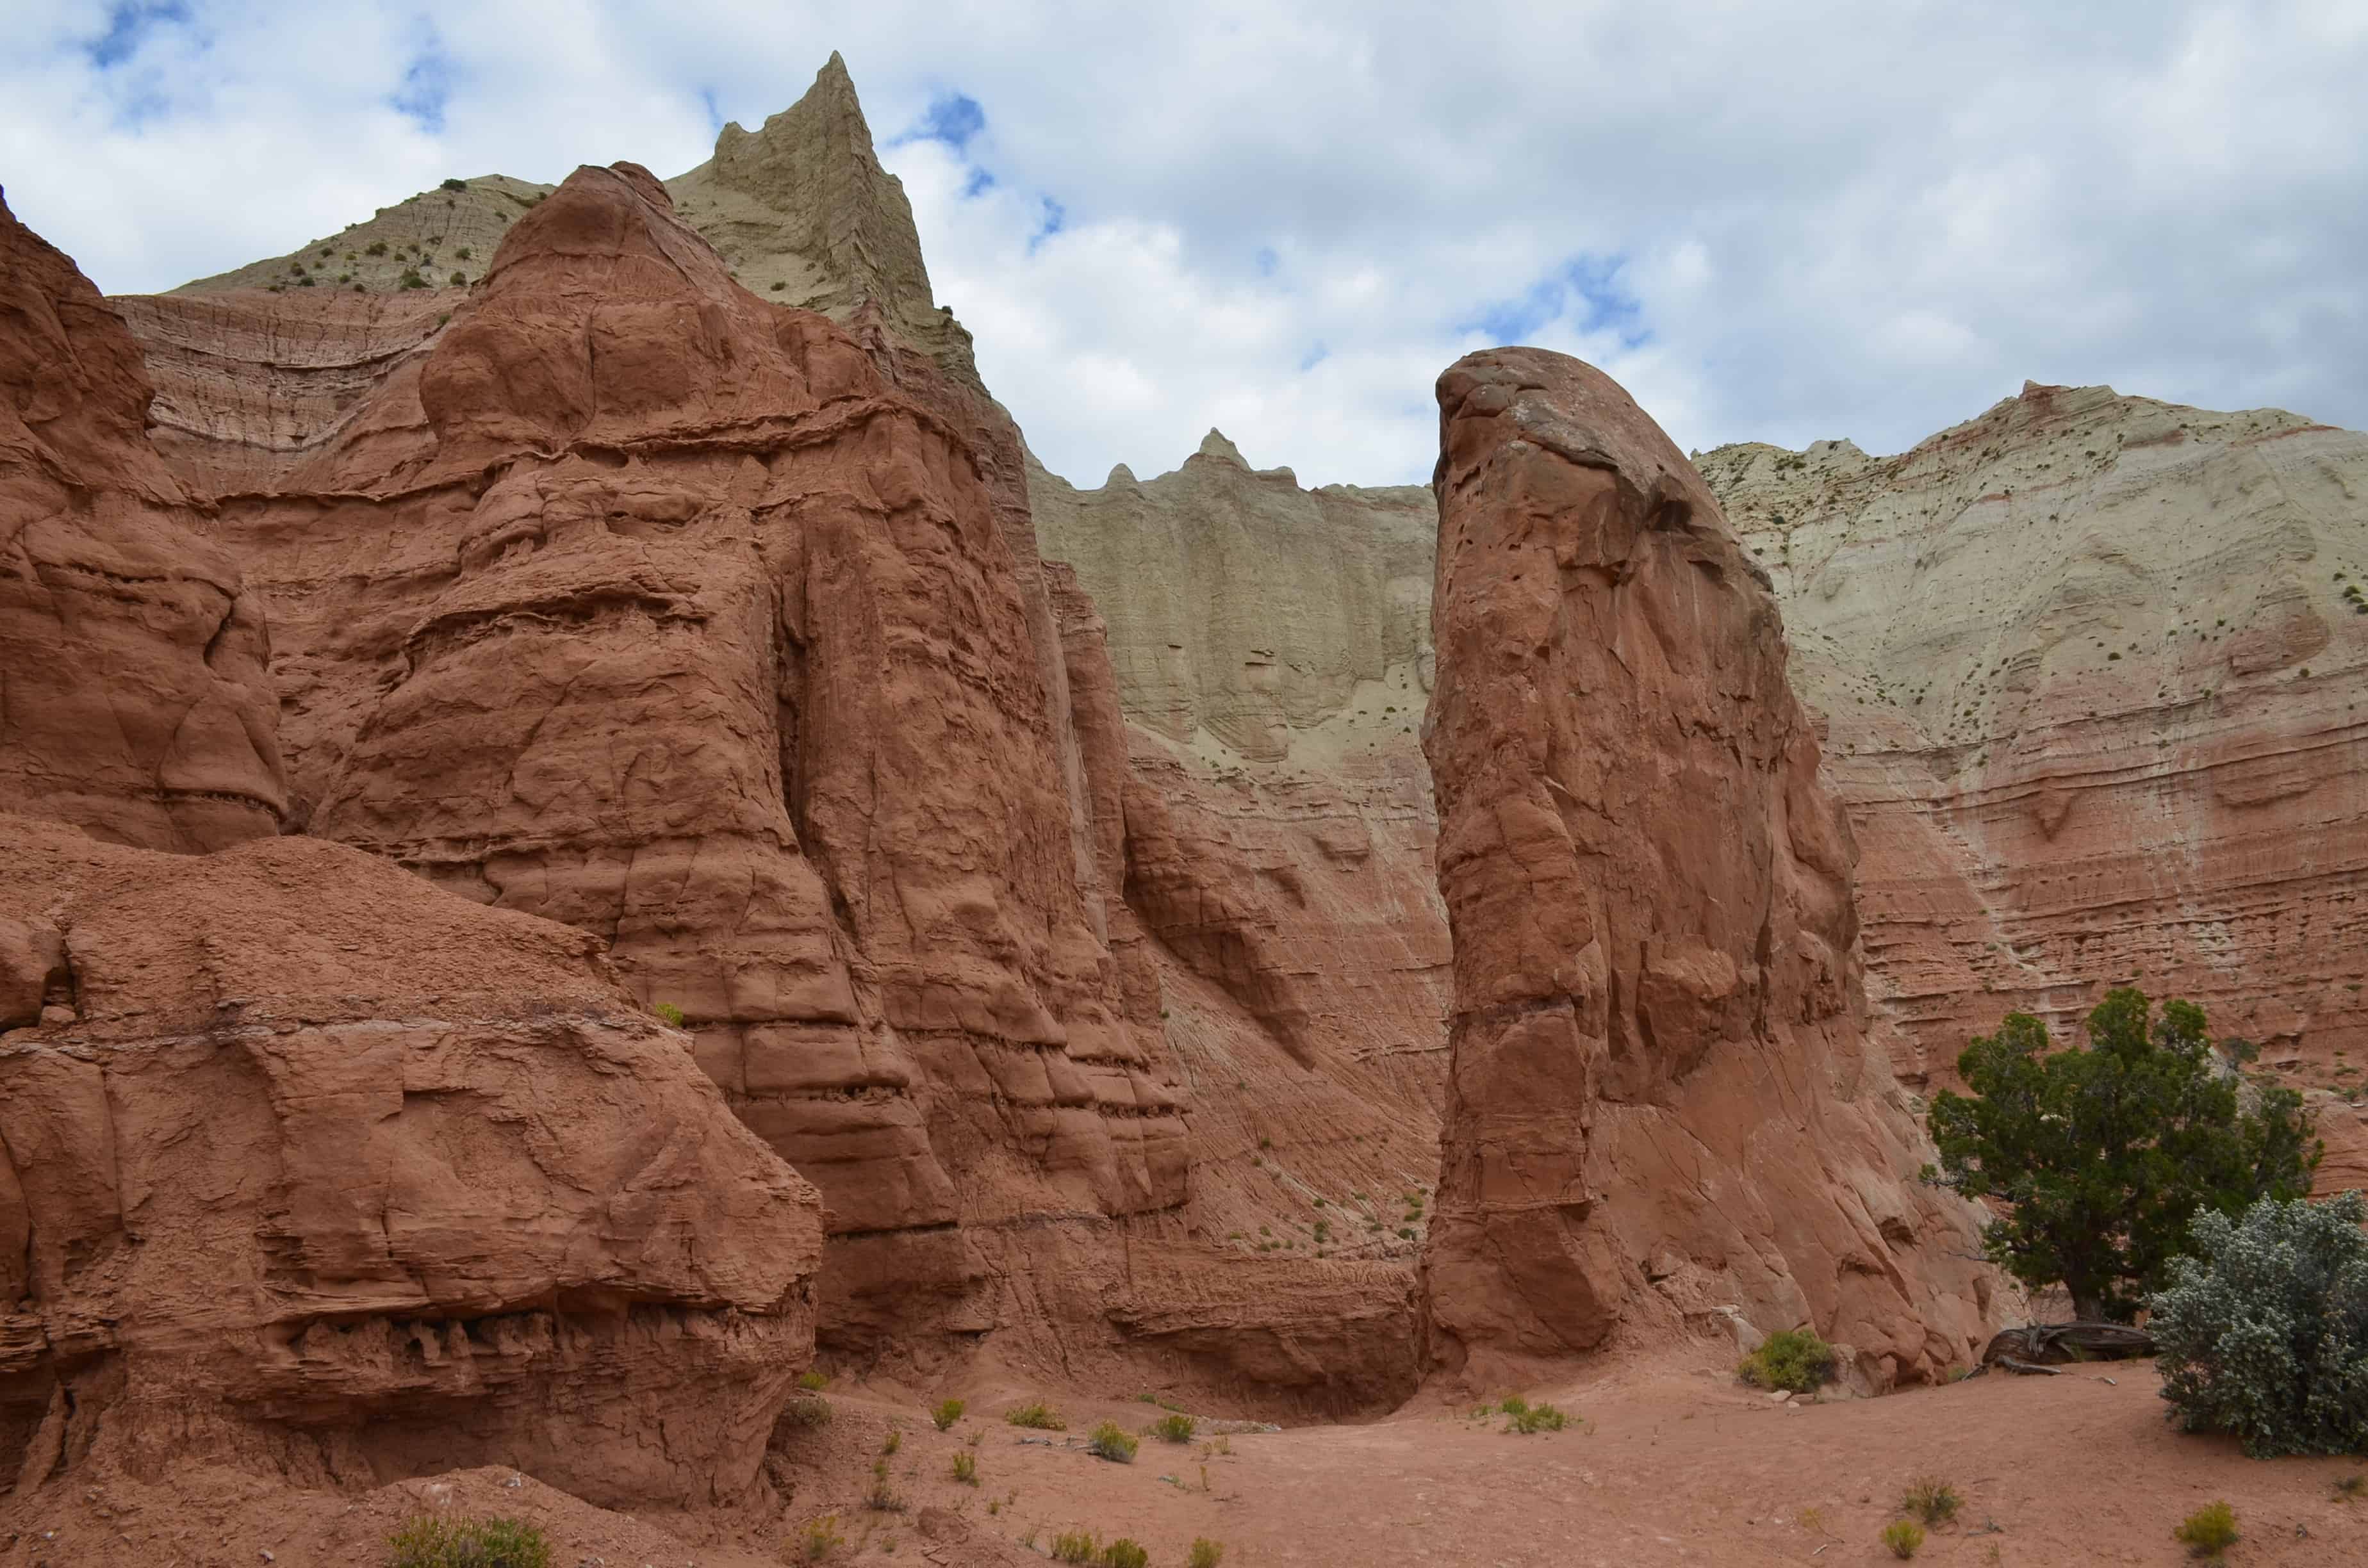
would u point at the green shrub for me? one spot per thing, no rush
(1905, 1536)
(410, 279)
(1111, 1441)
(820, 1538)
(377, 247)
(2102, 1154)
(1793, 1360)
(1538, 1417)
(884, 1497)
(813, 1380)
(434, 1541)
(1930, 1499)
(895, 1440)
(966, 1469)
(456, 185)
(1037, 1415)
(671, 1015)
(947, 1412)
(2266, 1336)
(2351, 1488)
(1124, 1553)
(1075, 1546)
(1206, 1553)
(810, 1411)
(2208, 1531)
(1174, 1429)
(462, 254)
(458, 278)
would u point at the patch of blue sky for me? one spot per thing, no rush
(128, 26)
(1585, 290)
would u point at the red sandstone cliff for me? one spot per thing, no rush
(304, 1165)
(1661, 1097)
(133, 699)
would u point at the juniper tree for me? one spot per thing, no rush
(2103, 1153)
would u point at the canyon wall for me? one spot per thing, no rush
(1662, 1105)
(795, 720)
(305, 1166)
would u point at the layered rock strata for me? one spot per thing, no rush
(1662, 1102)
(634, 601)
(304, 1165)
(133, 697)
(312, 1168)
(2095, 668)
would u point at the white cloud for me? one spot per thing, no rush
(1772, 221)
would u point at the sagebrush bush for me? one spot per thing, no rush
(1038, 1416)
(2266, 1335)
(1112, 1441)
(813, 1380)
(1206, 1553)
(966, 1469)
(1538, 1417)
(434, 1541)
(1174, 1429)
(672, 1017)
(820, 1538)
(1125, 1553)
(1793, 1360)
(1930, 1499)
(2208, 1531)
(947, 1412)
(1905, 1536)
(1075, 1546)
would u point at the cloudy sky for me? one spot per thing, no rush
(1773, 221)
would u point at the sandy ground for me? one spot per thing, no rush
(1667, 1462)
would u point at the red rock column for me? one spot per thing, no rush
(1662, 1112)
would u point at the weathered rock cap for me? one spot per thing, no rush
(1569, 408)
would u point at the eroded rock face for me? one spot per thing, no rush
(1661, 1098)
(315, 1169)
(2094, 667)
(133, 697)
(639, 603)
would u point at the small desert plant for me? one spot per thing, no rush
(671, 1015)
(2208, 1531)
(377, 247)
(895, 1440)
(1538, 1417)
(820, 1538)
(776, 288)
(456, 185)
(947, 1412)
(810, 1411)
(966, 1469)
(2351, 1488)
(1793, 1360)
(813, 1380)
(884, 1496)
(1111, 1441)
(1905, 1536)
(410, 279)
(1513, 1405)
(2267, 1337)
(1206, 1553)
(462, 254)
(458, 278)
(1038, 1416)
(1124, 1553)
(1174, 1429)
(1075, 1546)
(1930, 1499)
(434, 1541)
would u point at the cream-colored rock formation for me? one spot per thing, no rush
(2095, 669)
